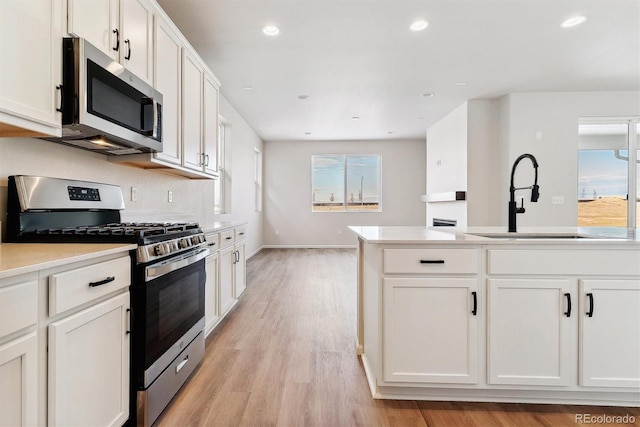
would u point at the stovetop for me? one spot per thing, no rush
(114, 232)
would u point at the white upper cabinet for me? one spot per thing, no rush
(121, 29)
(30, 74)
(210, 123)
(167, 81)
(192, 94)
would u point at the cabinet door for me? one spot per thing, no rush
(136, 53)
(96, 21)
(239, 271)
(210, 118)
(610, 333)
(191, 111)
(225, 282)
(211, 293)
(430, 331)
(31, 69)
(167, 70)
(89, 377)
(19, 382)
(530, 331)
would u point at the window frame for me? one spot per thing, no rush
(633, 163)
(345, 205)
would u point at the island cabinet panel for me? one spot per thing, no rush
(530, 328)
(431, 329)
(432, 261)
(610, 339)
(563, 261)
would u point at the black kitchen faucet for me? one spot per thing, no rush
(535, 191)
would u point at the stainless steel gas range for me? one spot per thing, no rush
(168, 276)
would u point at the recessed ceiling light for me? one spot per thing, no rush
(271, 30)
(427, 95)
(419, 118)
(307, 133)
(355, 118)
(461, 83)
(390, 132)
(247, 87)
(303, 97)
(419, 25)
(573, 21)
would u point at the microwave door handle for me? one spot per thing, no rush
(154, 133)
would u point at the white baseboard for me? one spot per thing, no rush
(255, 252)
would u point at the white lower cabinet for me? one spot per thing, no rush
(89, 366)
(19, 381)
(530, 330)
(430, 330)
(211, 313)
(225, 279)
(239, 271)
(610, 333)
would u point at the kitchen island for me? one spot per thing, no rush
(546, 315)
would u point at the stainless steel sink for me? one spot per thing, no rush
(531, 235)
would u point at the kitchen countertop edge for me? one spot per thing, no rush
(465, 235)
(23, 258)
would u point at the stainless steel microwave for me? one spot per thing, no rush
(105, 107)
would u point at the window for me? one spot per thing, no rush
(345, 183)
(608, 173)
(257, 178)
(222, 185)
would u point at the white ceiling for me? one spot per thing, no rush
(359, 58)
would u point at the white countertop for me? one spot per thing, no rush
(21, 258)
(219, 226)
(467, 235)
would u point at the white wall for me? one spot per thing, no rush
(192, 199)
(556, 116)
(462, 154)
(287, 195)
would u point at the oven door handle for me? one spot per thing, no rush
(160, 269)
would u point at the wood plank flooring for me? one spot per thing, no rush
(285, 356)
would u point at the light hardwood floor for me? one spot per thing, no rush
(285, 356)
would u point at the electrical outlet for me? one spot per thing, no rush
(557, 200)
(276, 232)
(339, 232)
(134, 194)
(170, 196)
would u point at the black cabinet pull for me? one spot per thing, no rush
(59, 87)
(128, 331)
(431, 261)
(474, 311)
(117, 33)
(590, 297)
(128, 43)
(228, 238)
(102, 282)
(568, 312)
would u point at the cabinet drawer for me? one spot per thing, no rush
(227, 238)
(18, 307)
(564, 261)
(240, 233)
(81, 285)
(431, 261)
(213, 241)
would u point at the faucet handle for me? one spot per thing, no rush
(521, 208)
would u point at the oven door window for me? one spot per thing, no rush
(174, 303)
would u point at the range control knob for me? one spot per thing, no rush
(195, 240)
(160, 250)
(184, 243)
